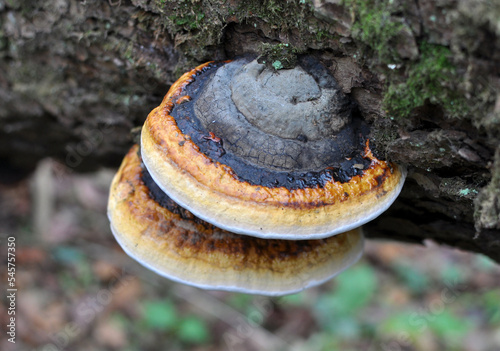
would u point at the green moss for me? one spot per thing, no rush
(284, 16)
(296, 17)
(195, 25)
(433, 77)
(271, 11)
(161, 3)
(322, 34)
(188, 16)
(280, 56)
(375, 27)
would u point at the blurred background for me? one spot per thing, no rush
(77, 290)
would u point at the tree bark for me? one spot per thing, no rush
(76, 77)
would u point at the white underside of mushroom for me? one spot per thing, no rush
(185, 250)
(217, 280)
(259, 220)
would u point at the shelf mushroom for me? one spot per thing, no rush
(269, 154)
(172, 242)
(251, 180)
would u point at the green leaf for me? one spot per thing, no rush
(160, 314)
(294, 299)
(450, 326)
(355, 289)
(491, 304)
(193, 330)
(410, 324)
(452, 273)
(277, 65)
(415, 280)
(240, 301)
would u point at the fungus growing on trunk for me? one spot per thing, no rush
(169, 240)
(251, 180)
(268, 154)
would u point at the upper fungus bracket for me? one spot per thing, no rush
(299, 174)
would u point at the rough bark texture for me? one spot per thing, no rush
(77, 76)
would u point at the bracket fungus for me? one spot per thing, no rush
(287, 158)
(251, 180)
(172, 242)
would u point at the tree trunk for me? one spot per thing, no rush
(76, 77)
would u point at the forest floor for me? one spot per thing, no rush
(77, 290)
